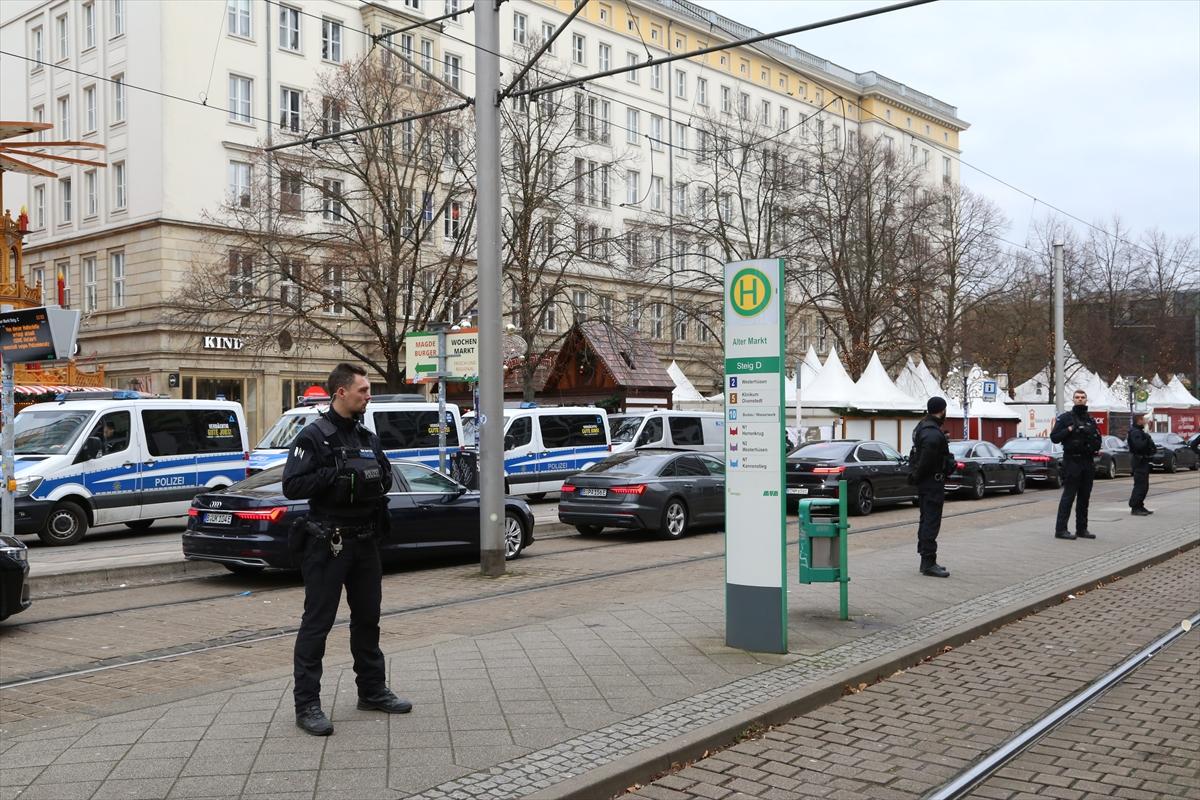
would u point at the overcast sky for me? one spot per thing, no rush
(1092, 106)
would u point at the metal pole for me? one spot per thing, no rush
(491, 376)
(671, 199)
(1060, 374)
(441, 344)
(7, 525)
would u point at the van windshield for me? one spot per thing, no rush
(626, 429)
(48, 432)
(285, 431)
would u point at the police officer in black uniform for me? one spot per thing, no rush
(1076, 431)
(931, 462)
(1142, 447)
(339, 467)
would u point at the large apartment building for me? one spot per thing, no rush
(122, 74)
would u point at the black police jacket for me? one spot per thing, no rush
(1141, 445)
(1077, 433)
(932, 451)
(317, 469)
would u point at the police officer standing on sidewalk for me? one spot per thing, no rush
(340, 468)
(931, 463)
(1076, 431)
(1142, 447)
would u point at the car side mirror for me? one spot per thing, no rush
(92, 447)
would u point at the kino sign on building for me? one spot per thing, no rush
(755, 510)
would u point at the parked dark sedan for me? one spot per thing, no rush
(1114, 458)
(981, 467)
(245, 526)
(14, 576)
(654, 489)
(875, 474)
(1040, 457)
(1173, 453)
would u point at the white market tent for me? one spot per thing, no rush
(1180, 396)
(1157, 382)
(875, 391)
(832, 388)
(685, 391)
(918, 382)
(1100, 396)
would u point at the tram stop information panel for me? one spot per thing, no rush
(755, 497)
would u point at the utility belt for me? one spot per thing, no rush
(326, 529)
(333, 535)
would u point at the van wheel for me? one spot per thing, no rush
(537, 496)
(66, 524)
(139, 524)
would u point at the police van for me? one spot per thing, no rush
(543, 446)
(703, 431)
(107, 457)
(407, 426)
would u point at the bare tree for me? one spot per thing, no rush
(554, 249)
(865, 231)
(966, 270)
(1011, 334)
(355, 241)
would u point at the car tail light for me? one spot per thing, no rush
(828, 470)
(567, 488)
(959, 465)
(267, 515)
(1039, 459)
(637, 488)
(193, 512)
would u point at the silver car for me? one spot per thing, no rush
(667, 491)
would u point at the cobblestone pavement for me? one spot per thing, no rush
(908, 734)
(531, 686)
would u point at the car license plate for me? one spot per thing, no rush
(593, 492)
(218, 519)
(797, 490)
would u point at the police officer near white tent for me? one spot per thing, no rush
(930, 463)
(340, 468)
(1076, 431)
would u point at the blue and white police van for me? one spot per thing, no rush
(545, 445)
(407, 426)
(109, 457)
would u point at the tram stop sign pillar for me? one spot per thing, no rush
(755, 500)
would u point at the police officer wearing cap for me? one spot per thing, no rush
(340, 468)
(931, 462)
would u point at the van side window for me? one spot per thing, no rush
(572, 430)
(401, 430)
(178, 432)
(686, 430)
(520, 432)
(651, 432)
(169, 433)
(217, 431)
(113, 432)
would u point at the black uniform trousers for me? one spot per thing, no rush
(931, 496)
(1141, 482)
(357, 568)
(1078, 475)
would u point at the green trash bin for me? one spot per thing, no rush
(823, 544)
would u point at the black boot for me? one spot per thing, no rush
(1063, 535)
(1141, 512)
(311, 719)
(384, 700)
(930, 567)
(1084, 535)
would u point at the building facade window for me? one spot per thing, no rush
(39, 115)
(89, 191)
(604, 62)
(681, 84)
(579, 306)
(657, 316)
(116, 269)
(291, 192)
(331, 40)
(331, 199)
(240, 93)
(89, 109)
(633, 187)
(656, 77)
(578, 49)
(334, 289)
(39, 207)
(452, 224)
(547, 34)
(241, 273)
(702, 92)
(37, 277)
(118, 84)
(289, 28)
(656, 193)
(631, 60)
(290, 101)
(239, 184)
(520, 28)
(119, 193)
(118, 18)
(89, 284)
(726, 100)
(64, 193)
(36, 49)
(453, 68)
(656, 132)
(64, 117)
(331, 115)
(633, 126)
(89, 26)
(62, 38)
(237, 13)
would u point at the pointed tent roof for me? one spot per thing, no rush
(1100, 397)
(1160, 396)
(1157, 382)
(909, 380)
(875, 391)
(832, 388)
(810, 366)
(685, 391)
(1180, 396)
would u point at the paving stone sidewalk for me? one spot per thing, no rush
(910, 733)
(546, 695)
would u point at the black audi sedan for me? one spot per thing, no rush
(655, 489)
(1040, 458)
(875, 474)
(981, 467)
(1114, 458)
(14, 576)
(245, 526)
(1173, 453)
